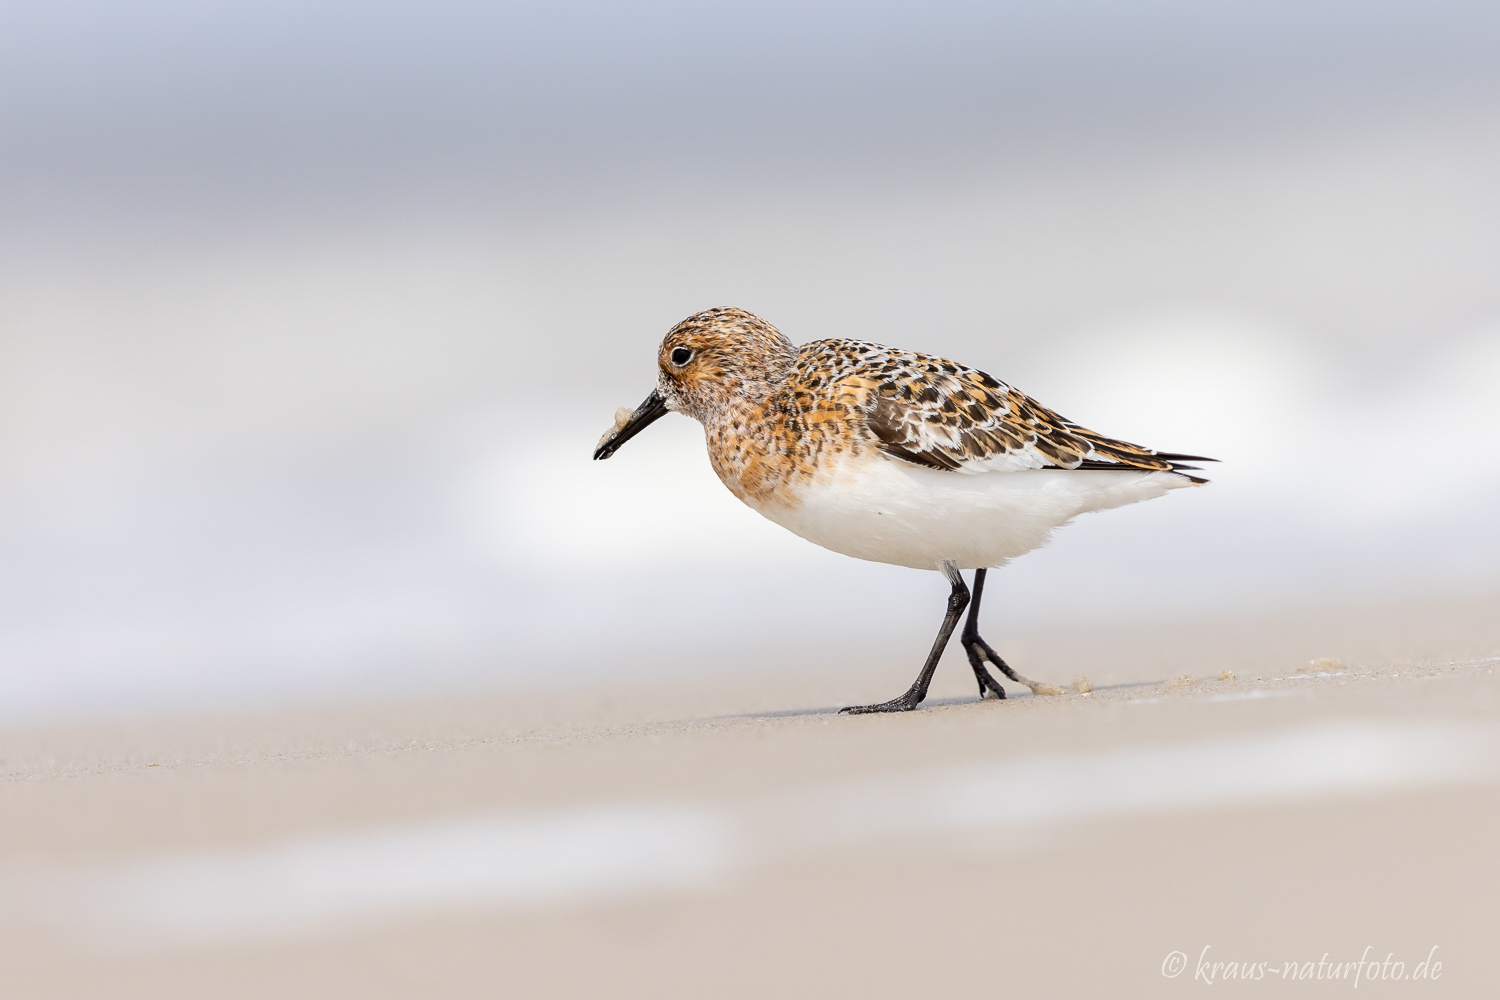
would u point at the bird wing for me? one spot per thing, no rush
(930, 411)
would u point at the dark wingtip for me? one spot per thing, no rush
(1174, 457)
(1176, 460)
(1097, 465)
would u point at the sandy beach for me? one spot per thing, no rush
(1335, 799)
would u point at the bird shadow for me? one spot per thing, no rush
(793, 713)
(797, 713)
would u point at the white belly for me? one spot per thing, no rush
(890, 511)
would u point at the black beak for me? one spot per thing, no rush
(653, 409)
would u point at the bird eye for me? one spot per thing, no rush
(681, 356)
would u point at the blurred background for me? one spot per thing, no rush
(311, 314)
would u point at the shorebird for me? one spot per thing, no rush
(892, 456)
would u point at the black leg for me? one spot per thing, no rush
(977, 648)
(979, 651)
(957, 601)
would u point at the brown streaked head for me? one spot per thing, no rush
(705, 363)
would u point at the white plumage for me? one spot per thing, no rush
(890, 511)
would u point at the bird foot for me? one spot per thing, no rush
(905, 703)
(980, 650)
(987, 685)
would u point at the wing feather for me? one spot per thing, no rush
(936, 413)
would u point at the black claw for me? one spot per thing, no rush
(987, 684)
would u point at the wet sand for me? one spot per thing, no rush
(1293, 811)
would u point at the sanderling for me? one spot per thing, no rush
(892, 456)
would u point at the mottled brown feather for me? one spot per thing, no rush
(934, 412)
(777, 416)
